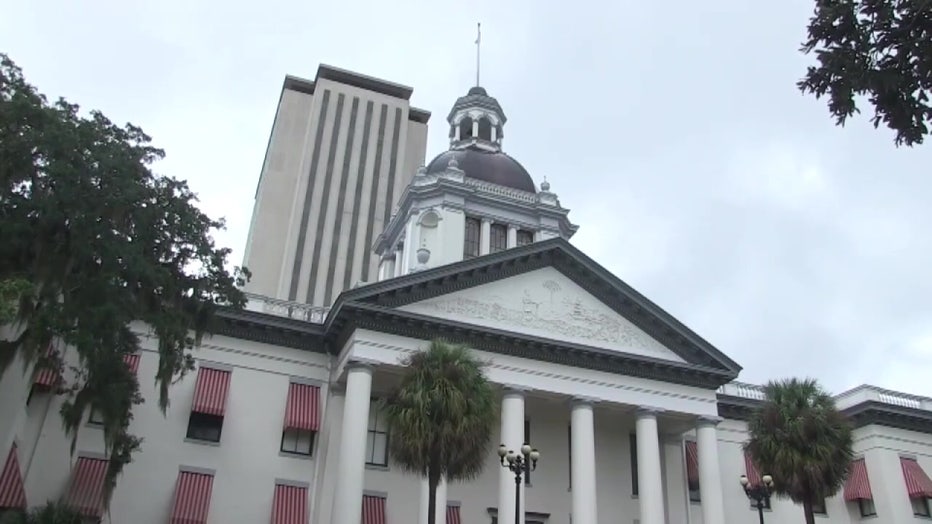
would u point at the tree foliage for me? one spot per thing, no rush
(441, 416)
(802, 440)
(881, 49)
(51, 513)
(103, 242)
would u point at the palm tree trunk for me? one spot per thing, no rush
(432, 482)
(807, 510)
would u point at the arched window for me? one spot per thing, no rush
(485, 129)
(466, 128)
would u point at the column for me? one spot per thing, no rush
(441, 504)
(710, 477)
(513, 438)
(347, 500)
(650, 484)
(512, 237)
(399, 261)
(485, 233)
(582, 429)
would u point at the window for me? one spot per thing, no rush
(920, 507)
(466, 128)
(202, 426)
(527, 465)
(471, 245)
(95, 417)
(298, 441)
(498, 238)
(866, 506)
(525, 237)
(692, 471)
(377, 439)
(485, 129)
(818, 507)
(633, 444)
(765, 501)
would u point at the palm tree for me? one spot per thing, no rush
(51, 513)
(802, 440)
(440, 418)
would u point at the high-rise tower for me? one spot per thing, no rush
(342, 149)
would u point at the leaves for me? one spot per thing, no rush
(881, 49)
(102, 242)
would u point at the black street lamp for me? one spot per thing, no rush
(758, 493)
(518, 463)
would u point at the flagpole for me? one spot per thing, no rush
(478, 41)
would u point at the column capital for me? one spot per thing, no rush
(583, 401)
(648, 412)
(486, 220)
(513, 389)
(708, 421)
(361, 365)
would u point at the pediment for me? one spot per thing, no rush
(544, 303)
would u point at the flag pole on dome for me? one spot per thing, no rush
(478, 41)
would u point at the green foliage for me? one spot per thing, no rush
(802, 440)
(440, 418)
(11, 292)
(875, 48)
(103, 242)
(51, 513)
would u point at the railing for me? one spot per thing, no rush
(502, 190)
(286, 308)
(742, 390)
(844, 400)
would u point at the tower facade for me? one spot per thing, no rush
(342, 149)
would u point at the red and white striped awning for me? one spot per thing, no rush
(753, 474)
(12, 494)
(289, 505)
(86, 493)
(45, 375)
(192, 498)
(453, 515)
(210, 392)
(373, 509)
(132, 361)
(918, 484)
(858, 486)
(692, 464)
(303, 408)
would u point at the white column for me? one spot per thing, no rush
(513, 439)
(475, 128)
(710, 477)
(512, 237)
(650, 484)
(441, 504)
(347, 500)
(582, 474)
(484, 238)
(399, 261)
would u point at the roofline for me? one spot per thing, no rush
(303, 85)
(418, 115)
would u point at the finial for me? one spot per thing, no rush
(545, 186)
(478, 41)
(421, 171)
(453, 164)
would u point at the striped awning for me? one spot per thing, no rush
(303, 408)
(692, 464)
(918, 484)
(86, 492)
(132, 361)
(453, 515)
(753, 474)
(858, 486)
(373, 509)
(12, 494)
(289, 506)
(210, 392)
(45, 375)
(192, 498)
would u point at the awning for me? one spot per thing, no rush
(453, 515)
(132, 361)
(192, 498)
(210, 392)
(12, 494)
(46, 376)
(692, 464)
(373, 509)
(303, 408)
(918, 484)
(289, 506)
(858, 487)
(751, 470)
(86, 493)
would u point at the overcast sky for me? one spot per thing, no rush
(674, 132)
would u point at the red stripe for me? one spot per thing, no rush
(12, 494)
(453, 515)
(46, 375)
(751, 470)
(303, 407)
(192, 498)
(289, 505)
(373, 510)
(692, 464)
(86, 493)
(132, 361)
(210, 392)
(858, 486)
(917, 482)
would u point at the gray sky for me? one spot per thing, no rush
(674, 132)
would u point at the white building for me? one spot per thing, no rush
(638, 419)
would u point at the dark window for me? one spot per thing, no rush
(920, 506)
(485, 129)
(818, 507)
(527, 465)
(297, 441)
(633, 439)
(569, 448)
(498, 238)
(95, 417)
(377, 439)
(525, 237)
(466, 128)
(766, 504)
(471, 245)
(866, 506)
(202, 426)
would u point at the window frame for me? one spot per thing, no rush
(204, 419)
(820, 508)
(297, 433)
(472, 224)
(925, 506)
(374, 413)
(528, 237)
(91, 420)
(861, 508)
(498, 238)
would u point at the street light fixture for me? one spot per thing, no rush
(518, 463)
(758, 493)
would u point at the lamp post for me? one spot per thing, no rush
(759, 493)
(517, 463)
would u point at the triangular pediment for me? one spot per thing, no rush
(544, 303)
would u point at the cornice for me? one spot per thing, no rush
(270, 329)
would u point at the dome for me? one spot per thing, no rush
(490, 166)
